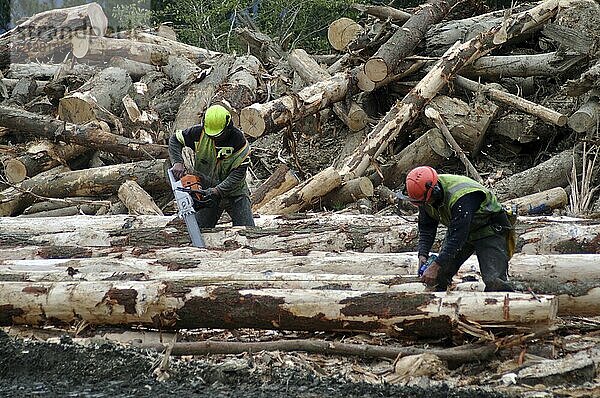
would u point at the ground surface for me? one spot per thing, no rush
(30, 368)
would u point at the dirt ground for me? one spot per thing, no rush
(33, 368)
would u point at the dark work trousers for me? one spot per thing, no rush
(238, 208)
(492, 254)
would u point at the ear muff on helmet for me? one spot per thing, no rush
(216, 118)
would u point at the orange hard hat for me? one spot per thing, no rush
(419, 184)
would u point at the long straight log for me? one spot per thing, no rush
(548, 64)
(546, 114)
(196, 54)
(168, 306)
(90, 135)
(540, 202)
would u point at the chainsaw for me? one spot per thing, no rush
(187, 194)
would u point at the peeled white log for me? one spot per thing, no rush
(169, 306)
(137, 200)
(540, 202)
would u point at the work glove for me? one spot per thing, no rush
(430, 275)
(210, 197)
(178, 170)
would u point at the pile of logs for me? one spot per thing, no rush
(85, 117)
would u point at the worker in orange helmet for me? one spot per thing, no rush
(476, 221)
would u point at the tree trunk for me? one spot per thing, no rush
(402, 44)
(383, 12)
(40, 156)
(342, 32)
(87, 182)
(350, 192)
(90, 135)
(586, 118)
(195, 54)
(199, 95)
(260, 118)
(137, 200)
(102, 49)
(35, 70)
(552, 173)
(46, 34)
(548, 64)
(282, 180)
(540, 202)
(169, 306)
(180, 69)
(352, 115)
(105, 90)
(546, 114)
(294, 200)
(136, 70)
(586, 82)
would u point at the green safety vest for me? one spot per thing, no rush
(455, 187)
(216, 163)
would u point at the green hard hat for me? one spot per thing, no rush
(215, 120)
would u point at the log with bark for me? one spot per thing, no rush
(540, 202)
(36, 70)
(281, 180)
(90, 135)
(102, 49)
(88, 182)
(195, 54)
(586, 118)
(383, 12)
(137, 200)
(167, 305)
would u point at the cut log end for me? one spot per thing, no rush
(76, 108)
(98, 20)
(364, 83)
(15, 171)
(252, 122)
(357, 117)
(376, 69)
(342, 32)
(80, 46)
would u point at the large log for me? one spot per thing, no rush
(260, 118)
(282, 180)
(88, 182)
(40, 156)
(90, 135)
(552, 173)
(350, 192)
(137, 200)
(196, 54)
(102, 49)
(39, 71)
(548, 64)
(166, 305)
(385, 61)
(310, 71)
(342, 32)
(46, 34)
(540, 202)
(105, 91)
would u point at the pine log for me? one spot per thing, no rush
(88, 182)
(546, 114)
(385, 61)
(383, 12)
(199, 95)
(350, 192)
(241, 87)
(548, 64)
(294, 200)
(439, 122)
(351, 114)
(137, 200)
(46, 34)
(552, 173)
(540, 202)
(342, 32)
(586, 118)
(282, 180)
(446, 68)
(169, 306)
(102, 49)
(90, 135)
(429, 149)
(105, 90)
(39, 157)
(39, 71)
(258, 119)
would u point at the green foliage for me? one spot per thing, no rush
(132, 15)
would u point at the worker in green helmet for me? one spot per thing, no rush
(222, 159)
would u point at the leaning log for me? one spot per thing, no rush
(90, 135)
(280, 181)
(385, 61)
(137, 200)
(88, 182)
(350, 192)
(167, 306)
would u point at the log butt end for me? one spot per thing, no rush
(376, 69)
(80, 46)
(15, 171)
(252, 122)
